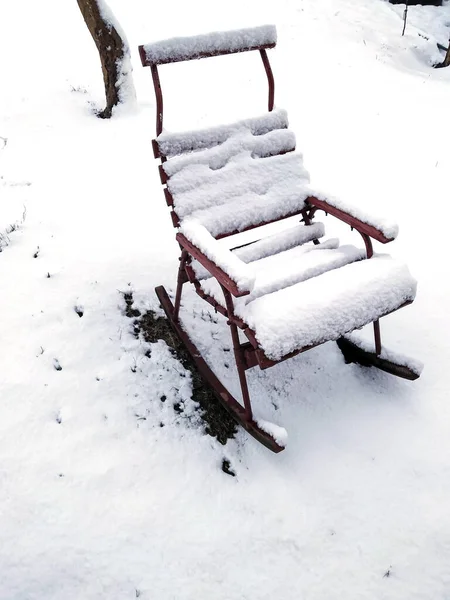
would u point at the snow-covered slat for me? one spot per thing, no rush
(326, 307)
(270, 245)
(277, 272)
(298, 264)
(279, 242)
(172, 144)
(197, 187)
(241, 144)
(244, 174)
(210, 44)
(250, 210)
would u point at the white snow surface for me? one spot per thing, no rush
(171, 144)
(272, 244)
(198, 188)
(251, 208)
(287, 268)
(240, 144)
(244, 192)
(324, 308)
(279, 242)
(97, 499)
(217, 42)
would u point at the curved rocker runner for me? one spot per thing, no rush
(286, 292)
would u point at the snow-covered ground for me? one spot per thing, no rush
(97, 499)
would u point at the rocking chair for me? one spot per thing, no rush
(286, 292)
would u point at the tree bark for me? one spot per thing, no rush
(113, 50)
(446, 61)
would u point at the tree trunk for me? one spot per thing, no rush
(446, 61)
(114, 53)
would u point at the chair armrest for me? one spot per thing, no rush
(378, 229)
(228, 269)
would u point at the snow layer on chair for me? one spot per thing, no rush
(326, 307)
(252, 209)
(171, 144)
(287, 268)
(279, 434)
(396, 357)
(237, 270)
(217, 42)
(272, 244)
(200, 188)
(243, 171)
(299, 264)
(278, 242)
(385, 225)
(241, 143)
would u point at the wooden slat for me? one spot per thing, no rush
(148, 63)
(259, 224)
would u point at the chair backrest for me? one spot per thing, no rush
(233, 177)
(205, 46)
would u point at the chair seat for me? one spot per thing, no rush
(324, 307)
(273, 273)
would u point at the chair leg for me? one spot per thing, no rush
(234, 407)
(241, 372)
(238, 355)
(180, 281)
(377, 336)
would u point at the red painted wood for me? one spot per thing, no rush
(175, 219)
(215, 271)
(270, 78)
(362, 227)
(353, 353)
(159, 99)
(155, 148)
(168, 196)
(148, 63)
(162, 174)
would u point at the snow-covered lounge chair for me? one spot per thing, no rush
(286, 292)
